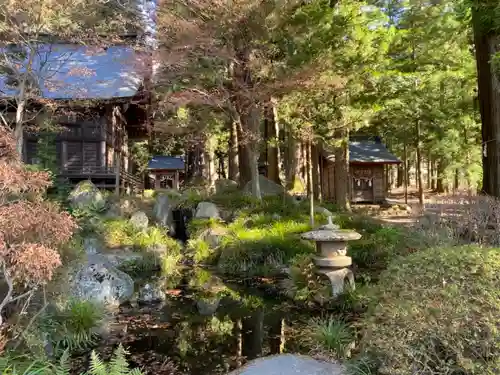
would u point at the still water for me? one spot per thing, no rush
(206, 326)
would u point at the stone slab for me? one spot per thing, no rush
(340, 235)
(340, 261)
(289, 364)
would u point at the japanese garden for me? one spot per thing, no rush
(271, 187)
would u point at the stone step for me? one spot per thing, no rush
(341, 261)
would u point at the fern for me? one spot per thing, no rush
(117, 366)
(63, 368)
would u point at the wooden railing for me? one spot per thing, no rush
(125, 178)
(88, 170)
(132, 180)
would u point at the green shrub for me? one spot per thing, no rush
(118, 233)
(73, 326)
(121, 233)
(153, 237)
(331, 335)
(201, 251)
(170, 264)
(360, 223)
(261, 251)
(436, 312)
(197, 226)
(373, 252)
(307, 283)
(11, 364)
(15, 364)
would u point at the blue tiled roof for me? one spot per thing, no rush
(370, 152)
(166, 162)
(65, 71)
(366, 152)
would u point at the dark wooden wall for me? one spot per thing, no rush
(374, 193)
(92, 145)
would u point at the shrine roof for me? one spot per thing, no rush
(166, 162)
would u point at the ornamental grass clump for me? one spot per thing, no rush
(31, 229)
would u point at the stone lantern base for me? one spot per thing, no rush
(341, 279)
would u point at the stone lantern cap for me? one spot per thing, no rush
(331, 233)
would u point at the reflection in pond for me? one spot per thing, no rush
(206, 327)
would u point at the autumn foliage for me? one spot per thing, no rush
(31, 229)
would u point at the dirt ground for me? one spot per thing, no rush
(407, 212)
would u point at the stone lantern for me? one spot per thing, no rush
(331, 259)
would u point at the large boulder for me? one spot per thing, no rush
(267, 187)
(86, 195)
(139, 220)
(163, 212)
(208, 306)
(213, 236)
(150, 294)
(224, 185)
(207, 210)
(100, 281)
(288, 364)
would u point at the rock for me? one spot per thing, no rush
(100, 281)
(290, 364)
(267, 187)
(163, 212)
(139, 220)
(223, 185)
(150, 294)
(92, 245)
(207, 210)
(213, 236)
(86, 196)
(322, 211)
(208, 306)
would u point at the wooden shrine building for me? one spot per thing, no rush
(166, 172)
(101, 101)
(368, 159)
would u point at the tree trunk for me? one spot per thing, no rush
(244, 158)
(272, 143)
(401, 175)
(19, 129)
(310, 183)
(294, 164)
(420, 182)
(432, 172)
(486, 43)
(316, 173)
(441, 168)
(341, 175)
(456, 182)
(406, 173)
(233, 161)
(429, 177)
(209, 171)
(249, 125)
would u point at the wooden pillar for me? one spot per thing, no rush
(176, 180)
(157, 181)
(64, 155)
(103, 154)
(117, 174)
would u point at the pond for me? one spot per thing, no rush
(204, 326)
